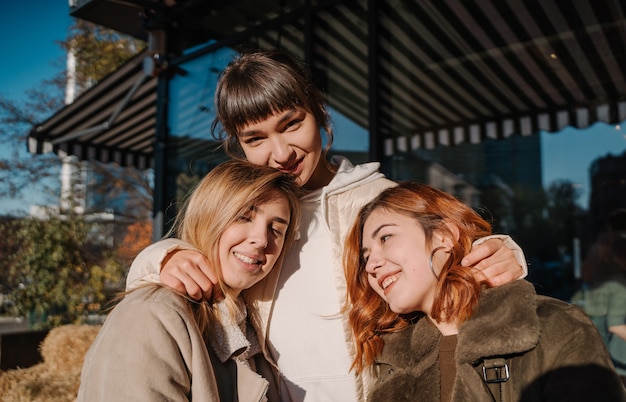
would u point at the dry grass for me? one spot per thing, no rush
(57, 378)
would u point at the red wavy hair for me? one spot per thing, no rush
(457, 288)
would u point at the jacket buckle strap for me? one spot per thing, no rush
(495, 370)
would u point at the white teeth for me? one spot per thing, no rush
(246, 259)
(389, 280)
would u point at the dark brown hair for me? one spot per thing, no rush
(257, 85)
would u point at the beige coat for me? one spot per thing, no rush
(361, 184)
(354, 186)
(151, 349)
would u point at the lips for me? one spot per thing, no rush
(293, 168)
(388, 280)
(247, 259)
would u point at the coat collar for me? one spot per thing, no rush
(504, 322)
(230, 336)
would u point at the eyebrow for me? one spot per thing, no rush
(275, 218)
(381, 227)
(375, 233)
(281, 220)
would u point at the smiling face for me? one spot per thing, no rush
(291, 142)
(394, 248)
(249, 247)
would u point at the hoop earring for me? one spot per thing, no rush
(430, 260)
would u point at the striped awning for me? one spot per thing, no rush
(112, 122)
(479, 69)
(444, 71)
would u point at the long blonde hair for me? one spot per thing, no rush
(230, 190)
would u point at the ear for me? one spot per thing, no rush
(446, 239)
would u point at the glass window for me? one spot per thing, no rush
(192, 150)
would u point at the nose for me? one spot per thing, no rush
(282, 153)
(258, 235)
(373, 264)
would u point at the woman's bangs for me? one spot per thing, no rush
(260, 102)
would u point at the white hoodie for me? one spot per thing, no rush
(299, 320)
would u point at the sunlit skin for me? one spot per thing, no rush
(248, 248)
(394, 247)
(396, 254)
(291, 142)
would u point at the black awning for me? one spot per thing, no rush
(112, 122)
(448, 71)
(452, 71)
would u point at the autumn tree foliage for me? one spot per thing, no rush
(138, 236)
(58, 272)
(98, 51)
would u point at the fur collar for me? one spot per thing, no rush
(231, 336)
(504, 322)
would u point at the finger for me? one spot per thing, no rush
(206, 284)
(480, 276)
(499, 274)
(183, 284)
(173, 283)
(205, 271)
(482, 251)
(191, 268)
(206, 278)
(217, 293)
(502, 267)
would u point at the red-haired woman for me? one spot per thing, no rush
(433, 332)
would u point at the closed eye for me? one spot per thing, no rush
(293, 124)
(277, 231)
(251, 140)
(247, 215)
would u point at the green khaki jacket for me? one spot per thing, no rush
(553, 352)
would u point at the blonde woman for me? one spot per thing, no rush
(159, 345)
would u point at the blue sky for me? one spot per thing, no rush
(30, 30)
